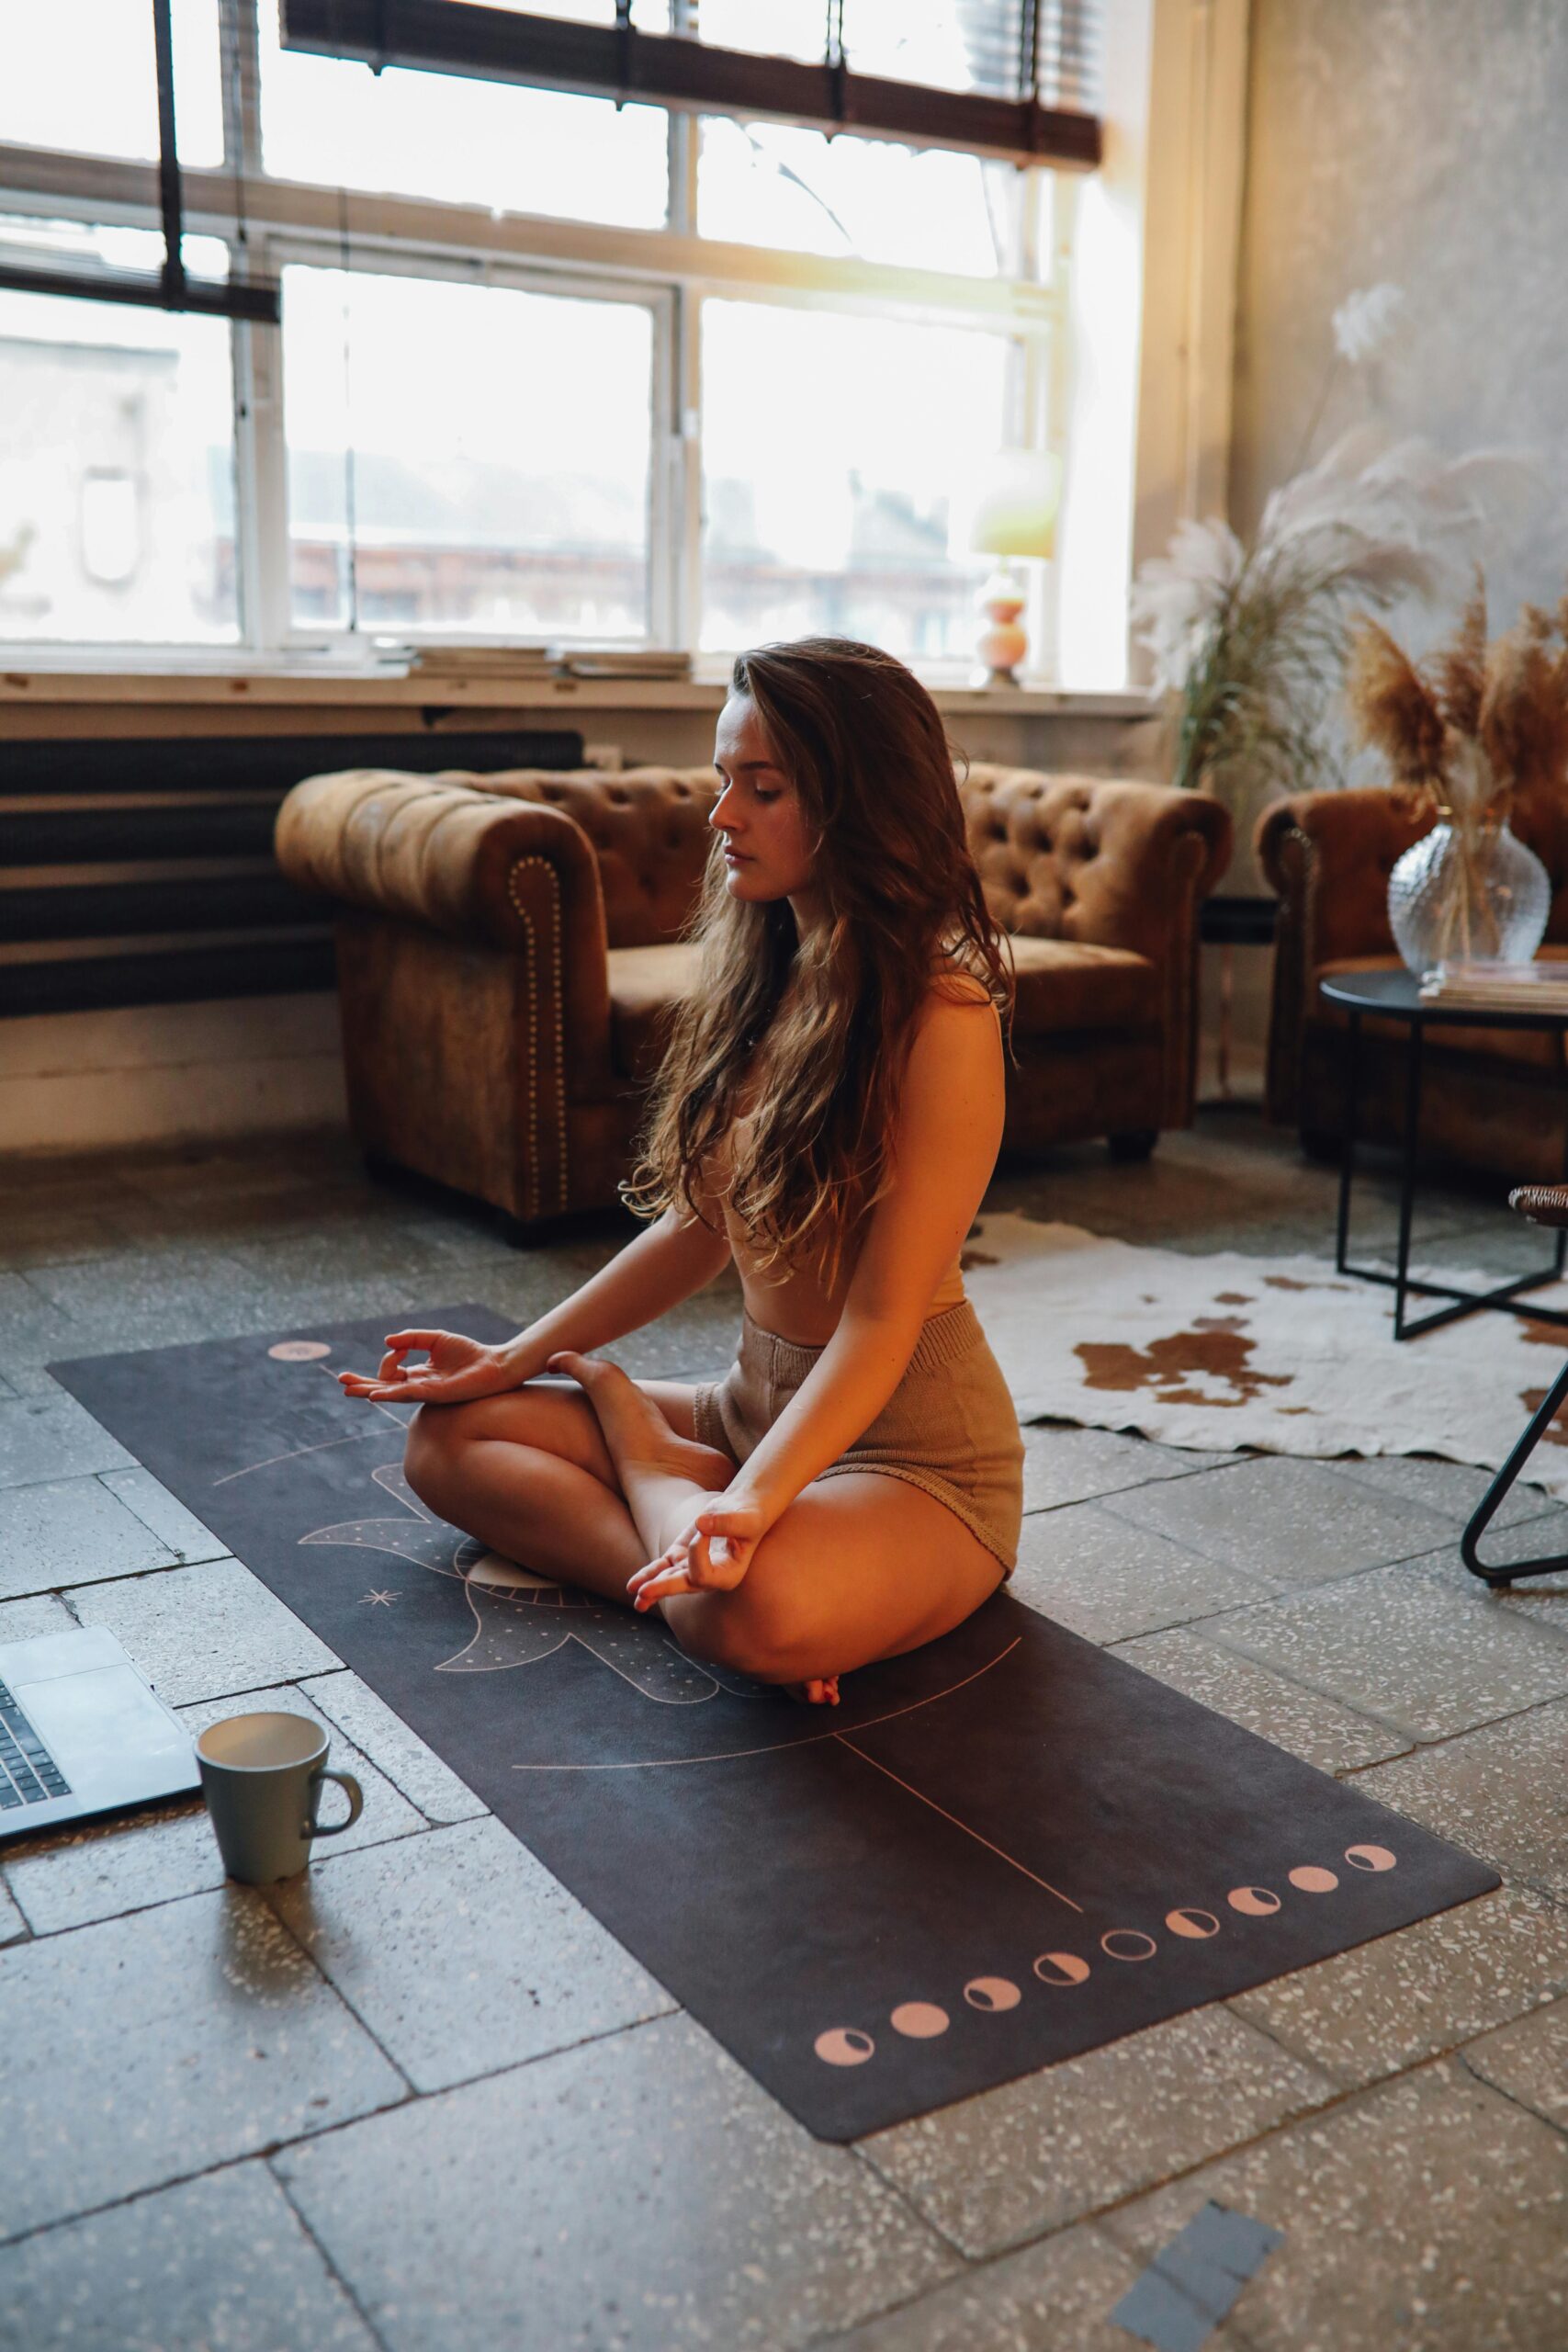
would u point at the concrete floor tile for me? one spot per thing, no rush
(1284, 1521)
(524, 1968)
(70, 1532)
(35, 1326)
(397, 1751)
(1107, 1579)
(1054, 2297)
(1408, 1646)
(165, 1514)
(205, 1633)
(48, 1435)
(1451, 1487)
(12, 1926)
(1498, 1793)
(143, 2049)
(46, 1233)
(1420, 1991)
(42, 1613)
(995, 2170)
(157, 1298)
(1424, 2216)
(1318, 1729)
(1529, 2062)
(1063, 1463)
(216, 2265)
(639, 2192)
(100, 1870)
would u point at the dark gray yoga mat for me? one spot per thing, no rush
(999, 1851)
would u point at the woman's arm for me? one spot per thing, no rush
(948, 1132)
(664, 1265)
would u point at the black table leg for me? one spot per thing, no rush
(1348, 1150)
(1541, 1420)
(1407, 1173)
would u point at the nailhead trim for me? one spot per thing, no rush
(523, 918)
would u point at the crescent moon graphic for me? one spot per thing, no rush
(1115, 1937)
(1061, 1968)
(992, 1993)
(920, 2019)
(1256, 1901)
(1369, 1858)
(1312, 1880)
(1200, 1924)
(845, 2046)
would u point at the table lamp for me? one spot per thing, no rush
(1013, 517)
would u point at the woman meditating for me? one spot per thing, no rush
(826, 1116)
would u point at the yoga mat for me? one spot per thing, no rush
(999, 1851)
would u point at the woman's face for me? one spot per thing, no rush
(767, 843)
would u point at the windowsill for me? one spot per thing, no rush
(27, 678)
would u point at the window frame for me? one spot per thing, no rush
(669, 271)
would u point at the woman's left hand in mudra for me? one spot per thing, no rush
(711, 1555)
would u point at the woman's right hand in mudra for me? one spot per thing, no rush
(459, 1371)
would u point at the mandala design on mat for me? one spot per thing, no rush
(520, 1618)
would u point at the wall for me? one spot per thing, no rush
(1417, 142)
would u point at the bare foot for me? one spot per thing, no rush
(822, 1691)
(635, 1430)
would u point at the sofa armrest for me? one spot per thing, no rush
(513, 875)
(1328, 855)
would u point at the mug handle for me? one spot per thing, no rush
(317, 1829)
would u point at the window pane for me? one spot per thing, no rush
(494, 444)
(775, 183)
(467, 142)
(827, 488)
(117, 477)
(80, 73)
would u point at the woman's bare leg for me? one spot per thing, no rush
(528, 1473)
(860, 1567)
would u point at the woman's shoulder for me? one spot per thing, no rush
(953, 983)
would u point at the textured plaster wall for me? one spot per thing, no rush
(1424, 142)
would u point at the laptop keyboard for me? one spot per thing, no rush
(29, 1773)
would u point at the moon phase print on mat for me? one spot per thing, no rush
(1196, 1926)
(298, 1350)
(1312, 1880)
(919, 2020)
(845, 2046)
(1254, 1902)
(994, 1993)
(1061, 1968)
(1128, 1944)
(1369, 1858)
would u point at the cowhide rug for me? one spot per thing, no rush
(1281, 1353)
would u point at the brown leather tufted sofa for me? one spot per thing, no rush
(509, 955)
(1490, 1098)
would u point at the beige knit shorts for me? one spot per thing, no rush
(949, 1427)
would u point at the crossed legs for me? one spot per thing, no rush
(587, 1483)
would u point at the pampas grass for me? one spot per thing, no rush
(1249, 643)
(1478, 723)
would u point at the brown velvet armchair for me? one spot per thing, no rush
(509, 957)
(1490, 1098)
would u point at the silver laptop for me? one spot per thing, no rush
(81, 1732)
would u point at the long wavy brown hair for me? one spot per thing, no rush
(864, 744)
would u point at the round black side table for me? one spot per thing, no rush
(1396, 995)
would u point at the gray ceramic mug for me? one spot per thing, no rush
(262, 1776)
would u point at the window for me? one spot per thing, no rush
(829, 487)
(546, 368)
(500, 489)
(117, 473)
(467, 142)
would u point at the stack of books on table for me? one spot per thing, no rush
(530, 660)
(1499, 988)
(622, 661)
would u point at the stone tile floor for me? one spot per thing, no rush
(422, 2099)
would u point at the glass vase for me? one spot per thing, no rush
(1473, 894)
